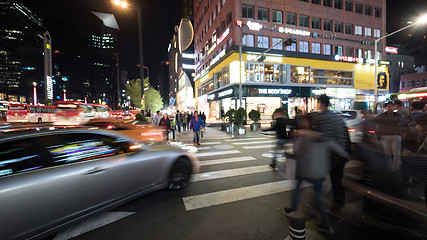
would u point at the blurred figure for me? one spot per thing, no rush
(184, 121)
(281, 135)
(189, 116)
(166, 124)
(332, 128)
(388, 130)
(411, 136)
(313, 165)
(400, 109)
(203, 117)
(178, 120)
(157, 118)
(196, 124)
(222, 113)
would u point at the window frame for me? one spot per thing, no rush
(274, 16)
(265, 14)
(291, 16)
(358, 8)
(338, 26)
(329, 22)
(348, 26)
(318, 24)
(304, 19)
(245, 11)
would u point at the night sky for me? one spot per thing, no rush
(160, 17)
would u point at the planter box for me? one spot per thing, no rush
(242, 130)
(223, 126)
(255, 126)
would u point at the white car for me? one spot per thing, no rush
(353, 120)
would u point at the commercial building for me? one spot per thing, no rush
(400, 64)
(333, 54)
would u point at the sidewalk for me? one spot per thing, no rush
(212, 133)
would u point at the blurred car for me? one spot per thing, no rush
(353, 120)
(118, 114)
(52, 178)
(139, 132)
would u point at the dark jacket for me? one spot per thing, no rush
(388, 124)
(166, 124)
(280, 128)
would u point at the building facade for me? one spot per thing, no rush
(333, 53)
(400, 64)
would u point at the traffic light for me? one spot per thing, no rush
(288, 42)
(261, 59)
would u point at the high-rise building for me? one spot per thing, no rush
(21, 50)
(268, 54)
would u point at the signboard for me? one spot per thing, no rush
(225, 93)
(49, 87)
(294, 31)
(391, 50)
(382, 80)
(252, 57)
(274, 91)
(254, 26)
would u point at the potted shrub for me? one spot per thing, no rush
(255, 116)
(229, 117)
(240, 118)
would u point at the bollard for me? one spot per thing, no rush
(296, 226)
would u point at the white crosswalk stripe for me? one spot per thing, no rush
(204, 154)
(210, 143)
(227, 160)
(244, 139)
(230, 173)
(237, 194)
(257, 142)
(204, 148)
(260, 146)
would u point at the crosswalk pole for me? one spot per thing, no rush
(296, 226)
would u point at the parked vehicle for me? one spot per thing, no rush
(52, 178)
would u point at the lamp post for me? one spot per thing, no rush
(35, 92)
(421, 20)
(124, 4)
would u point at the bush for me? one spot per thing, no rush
(280, 109)
(240, 116)
(254, 115)
(141, 118)
(230, 115)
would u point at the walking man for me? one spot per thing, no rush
(196, 124)
(178, 119)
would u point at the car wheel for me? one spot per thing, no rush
(39, 120)
(180, 174)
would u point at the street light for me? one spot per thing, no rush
(35, 92)
(421, 20)
(124, 4)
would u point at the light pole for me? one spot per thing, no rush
(35, 93)
(421, 20)
(124, 4)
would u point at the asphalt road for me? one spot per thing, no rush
(235, 196)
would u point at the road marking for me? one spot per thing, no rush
(237, 194)
(210, 143)
(227, 160)
(257, 142)
(260, 146)
(230, 173)
(204, 148)
(245, 139)
(354, 163)
(204, 154)
(91, 224)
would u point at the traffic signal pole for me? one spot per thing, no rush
(285, 42)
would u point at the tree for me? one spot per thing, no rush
(152, 98)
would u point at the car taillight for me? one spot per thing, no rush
(7, 117)
(26, 117)
(152, 134)
(372, 131)
(110, 127)
(351, 130)
(135, 146)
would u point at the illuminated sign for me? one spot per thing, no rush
(384, 62)
(211, 96)
(48, 46)
(212, 48)
(348, 59)
(239, 23)
(294, 31)
(274, 91)
(268, 58)
(49, 87)
(391, 50)
(318, 92)
(219, 56)
(188, 55)
(225, 93)
(188, 66)
(223, 36)
(254, 26)
(341, 92)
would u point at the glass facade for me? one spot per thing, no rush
(264, 72)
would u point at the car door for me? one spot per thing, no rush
(35, 193)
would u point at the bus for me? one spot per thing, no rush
(78, 113)
(30, 113)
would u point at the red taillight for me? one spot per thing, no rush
(26, 117)
(152, 134)
(110, 127)
(372, 131)
(7, 117)
(352, 130)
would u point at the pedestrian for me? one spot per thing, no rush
(388, 129)
(178, 120)
(166, 124)
(281, 135)
(157, 118)
(332, 128)
(196, 124)
(398, 106)
(313, 165)
(203, 117)
(184, 121)
(411, 137)
(189, 116)
(222, 113)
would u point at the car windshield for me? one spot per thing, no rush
(347, 115)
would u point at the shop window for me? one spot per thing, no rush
(338, 27)
(263, 41)
(315, 48)
(377, 12)
(292, 48)
(327, 49)
(291, 19)
(359, 8)
(260, 72)
(277, 17)
(300, 74)
(327, 3)
(327, 25)
(303, 46)
(315, 23)
(303, 21)
(277, 41)
(349, 28)
(263, 14)
(248, 40)
(368, 10)
(349, 6)
(331, 77)
(247, 11)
